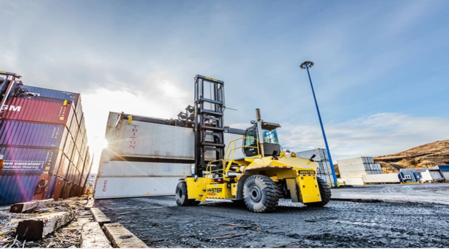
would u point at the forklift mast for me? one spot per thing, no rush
(208, 121)
(7, 81)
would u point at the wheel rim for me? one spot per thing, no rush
(255, 194)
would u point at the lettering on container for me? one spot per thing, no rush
(104, 185)
(22, 165)
(11, 108)
(132, 140)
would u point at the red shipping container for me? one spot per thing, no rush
(41, 111)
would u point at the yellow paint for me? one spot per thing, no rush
(197, 189)
(147, 193)
(234, 189)
(409, 182)
(61, 118)
(65, 103)
(2, 72)
(209, 78)
(130, 119)
(308, 186)
(220, 191)
(47, 168)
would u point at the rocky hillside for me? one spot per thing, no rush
(423, 156)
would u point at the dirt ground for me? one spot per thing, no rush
(68, 236)
(160, 223)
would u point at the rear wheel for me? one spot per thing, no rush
(182, 197)
(325, 192)
(260, 194)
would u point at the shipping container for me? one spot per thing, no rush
(381, 178)
(73, 127)
(17, 133)
(158, 141)
(69, 147)
(432, 175)
(352, 181)
(355, 161)
(133, 169)
(44, 92)
(18, 188)
(39, 111)
(29, 160)
(120, 187)
(320, 154)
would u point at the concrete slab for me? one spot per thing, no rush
(93, 237)
(122, 237)
(99, 216)
(397, 193)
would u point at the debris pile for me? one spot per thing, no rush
(68, 217)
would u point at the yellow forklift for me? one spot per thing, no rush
(259, 179)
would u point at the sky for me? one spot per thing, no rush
(380, 75)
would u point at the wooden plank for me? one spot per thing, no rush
(93, 237)
(99, 216)
(122, 237)
(26, 206)
(39, 227)
(90, 203)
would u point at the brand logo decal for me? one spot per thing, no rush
(11, 108)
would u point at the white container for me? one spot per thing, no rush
(352, 174)
(355, 161)
(128, 169)
(381, 178)
(352, 181)
(320, 154)
(432, 175)
(353, 167)
(121, 187)
(141, 139)
(149, 140)
(446, 175)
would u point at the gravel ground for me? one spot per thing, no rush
(420, 193)
(160, 223)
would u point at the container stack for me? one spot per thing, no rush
(146, 156)
(324, 170)
(352, 170)
(44, 144)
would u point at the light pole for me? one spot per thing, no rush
(307, 65)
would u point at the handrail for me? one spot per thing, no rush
(230, 151)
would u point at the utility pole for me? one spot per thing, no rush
(307, 65)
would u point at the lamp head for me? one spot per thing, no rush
(306, 64)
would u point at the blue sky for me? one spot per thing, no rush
(380, 71)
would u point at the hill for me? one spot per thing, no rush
(423, 156)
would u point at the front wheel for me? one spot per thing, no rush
(325, 192)
(260, 194)
(182, 197)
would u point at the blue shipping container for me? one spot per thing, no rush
(15, 133)
(19, 160)
(443, 168)
(54, 94)
(17, 188)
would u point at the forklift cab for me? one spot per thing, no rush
(269, 141)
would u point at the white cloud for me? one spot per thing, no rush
(373, 135)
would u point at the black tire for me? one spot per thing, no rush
(260, 194)
(182, 197)
(325, 192)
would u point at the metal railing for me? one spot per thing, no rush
(227, 162)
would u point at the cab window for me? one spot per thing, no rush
(270, 137)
